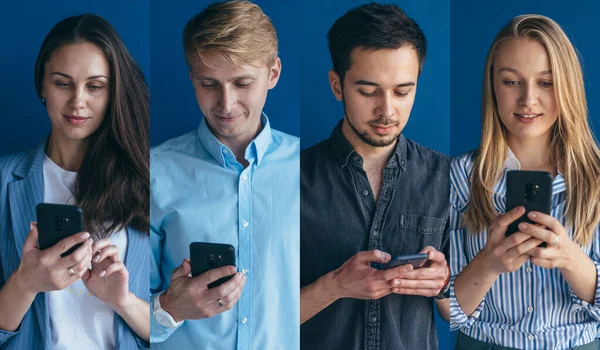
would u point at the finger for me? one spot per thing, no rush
(394, 272)
(32, 238)
(434, 272)
(436, 256)
(369, 256)
(538, 232)
(213, 275)
(230, 299)
(544, 263)
(548, 253)
(226, 288)
(523, 248)
(99, 245)
(182, 270)
(426, 292)
(512, 241)
(67, 243)
(78, 269)
(550, 222)
(116, 267)
(77, 256)
(110, 251)
(417, 284)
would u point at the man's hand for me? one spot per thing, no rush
(189, 298)
(427, 280)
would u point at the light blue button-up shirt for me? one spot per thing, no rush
(201, 193)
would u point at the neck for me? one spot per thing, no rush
(533, 153)
(239, 144)
(68, 154)
(370, 154)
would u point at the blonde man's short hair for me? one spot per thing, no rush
(238, 32)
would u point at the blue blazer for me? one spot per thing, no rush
(21, 189)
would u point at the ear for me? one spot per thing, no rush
(336, 84)
(274, 73)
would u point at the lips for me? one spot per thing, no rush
(528, 115)
(382, 129)
(227, 119)
(75, 119)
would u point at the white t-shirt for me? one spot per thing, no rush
(78, 320)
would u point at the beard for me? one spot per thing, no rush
(373, 140)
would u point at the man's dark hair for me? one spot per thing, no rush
(373, 27)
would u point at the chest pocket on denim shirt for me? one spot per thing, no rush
(417, 232)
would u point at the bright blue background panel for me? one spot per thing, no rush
(429, 122)
(24, 25)
(174, 109)
(474, 27)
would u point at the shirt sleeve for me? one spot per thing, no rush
(459, 196)
(158, 333)
(592, 309)
(6, 335)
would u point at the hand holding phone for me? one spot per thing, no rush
(208, 256)
(47, 270)
(416, 260)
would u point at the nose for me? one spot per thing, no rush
(385, 107)
(78, 100)
(227, 99)
(529, 95)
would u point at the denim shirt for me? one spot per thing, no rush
(339, 217)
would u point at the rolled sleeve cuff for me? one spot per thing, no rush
(458, 319)
(159, 333)
(592, 309)
(6, 335)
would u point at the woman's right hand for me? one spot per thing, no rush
(507, 254)
(45, 270)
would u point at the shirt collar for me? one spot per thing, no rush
(343, 149)
(256, 149)
(512, 163)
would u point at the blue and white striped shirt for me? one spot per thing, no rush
(533, 307)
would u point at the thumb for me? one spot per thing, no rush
(32, 238)
(182, 270)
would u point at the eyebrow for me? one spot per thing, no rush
(512, 70)
(370, 83)
(70, 77)
(241, 77)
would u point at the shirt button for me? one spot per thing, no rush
(365, 192)
(531, 337)
(245, 223)
(244, 177)
(375, 233)
(355, 158)
(245, 271)
(244, 320)
(528, 269)
(530, 309)
(225, 151)
(373, 319)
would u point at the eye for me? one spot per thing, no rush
(95, 87)
(243, 85)
(401, 94)
(546, 84)
(511, 83)
(368, 94)
(62, 85)
(209, 86)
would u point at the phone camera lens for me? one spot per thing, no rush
(220, 257)
(211, 257)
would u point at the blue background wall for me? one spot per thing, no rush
(474, 26)
(173, 103)
(429, 122)
(23, 26)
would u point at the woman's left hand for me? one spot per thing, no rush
(558, 252)
(108, 280)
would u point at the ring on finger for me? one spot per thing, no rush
(220, 302)
(71, 272)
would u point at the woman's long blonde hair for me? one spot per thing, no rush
(573, 147)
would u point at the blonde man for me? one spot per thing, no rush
(232, 181)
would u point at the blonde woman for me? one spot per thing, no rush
(506, 291)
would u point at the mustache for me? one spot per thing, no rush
(384, 121)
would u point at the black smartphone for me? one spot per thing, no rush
(208, 256)
(56, 222)
(531, 189)
(416, 260)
